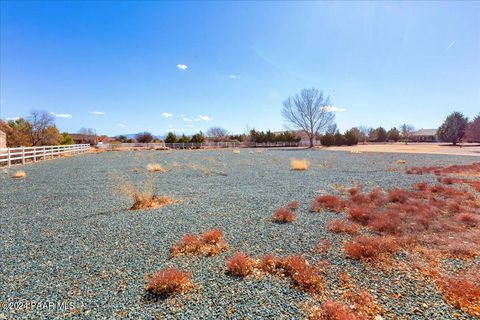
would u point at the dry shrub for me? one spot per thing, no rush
(19, 174)
(302, 274)
(240, 265)
(401, 161)
(146, 198)
(331, 310)
(210, 243)
(155, 167)
(339, 225)
(299, 164)
(462, 293)
(294, 205)
(236, 151)
(283, 215)
(327, 202)
(168, 281)
(370, 247)
(269, 263)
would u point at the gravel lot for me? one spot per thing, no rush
(67, 234)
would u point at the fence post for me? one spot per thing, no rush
(9, 162)
(34, 155)
(43, 152)
(23, 155)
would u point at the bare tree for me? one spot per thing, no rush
(40, 122)
(144, 137)
(308, 111)
(89, 135)
(217, 133)
(406, 130)
(364, 131)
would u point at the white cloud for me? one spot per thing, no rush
(182, 66)
(121, 125)
(204, 118)
(182, 115)
(451, 45)
(189, 126)
(12, 118)
(232, 76)
(178, 130)
(333, 109)
(98, 113)
(167, 114)
(187, 119)
(61, 115)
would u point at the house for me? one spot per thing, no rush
(424, 135)
(4, 129)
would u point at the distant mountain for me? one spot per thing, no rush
(132, 135)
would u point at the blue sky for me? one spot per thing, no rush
(114, 66)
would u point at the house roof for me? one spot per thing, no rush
(425, 132)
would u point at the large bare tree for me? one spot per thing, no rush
(309, 111)
(217, 133)
(406, 130)
(40, 122)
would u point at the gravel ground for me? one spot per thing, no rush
(67, 235)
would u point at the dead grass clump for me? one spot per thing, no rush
(146, 200)
(210, 243)
(143, 199)
(327, 202)
(168, 281)
(283, 215)
(340, 225)
(370, 247)
(331, 310)
(236, 151)
(462, 293)
(302, 274)
(401, 161)
(269, 263)
(20, 174)
(240, 265)
(155, 167)
(299, 164)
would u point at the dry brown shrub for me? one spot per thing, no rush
(299, 164)
(283, 215)
(155, 167)
(240, 265)
(20, 174)
(210, 243)
(168, 281)
(340, 225)
(143, 199)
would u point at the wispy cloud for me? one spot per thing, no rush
(232, 76)
(333, 109)
(451, 45)
(204, 118)
(12, 118)
(187, 119)
(61, 115)
(98, 113)
(167, 114)
(121, 125)
(182, 66)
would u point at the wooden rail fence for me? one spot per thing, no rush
(22, 154)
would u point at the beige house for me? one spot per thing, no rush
(3, 134)
(3, 139)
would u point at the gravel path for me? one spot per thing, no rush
(67, 235)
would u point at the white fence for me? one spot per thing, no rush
(22, 154)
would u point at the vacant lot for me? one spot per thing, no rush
(67, 234)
